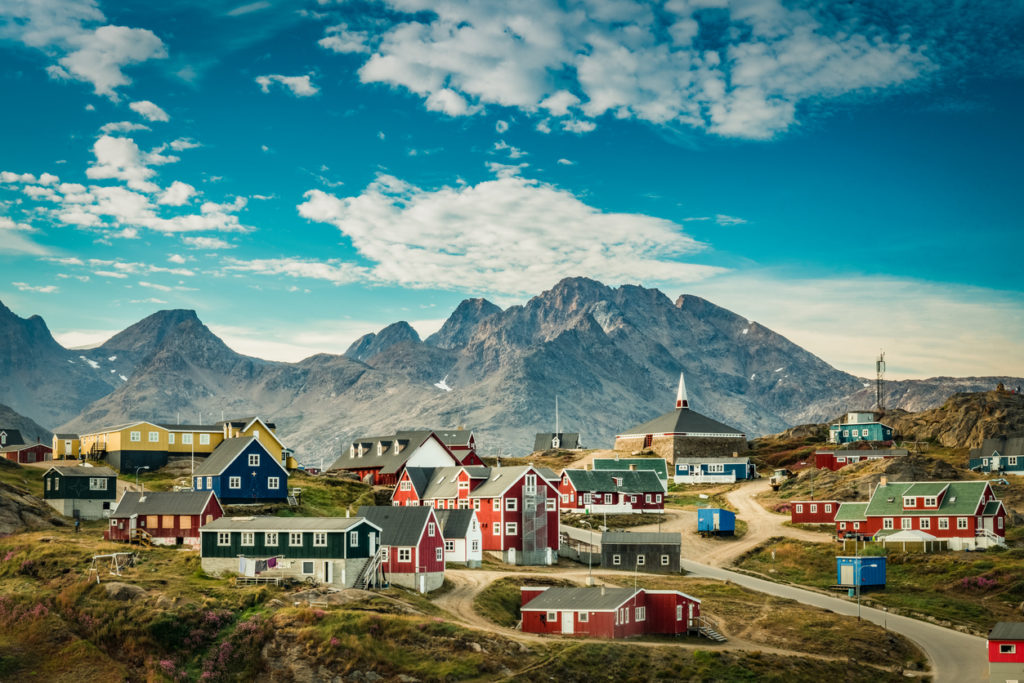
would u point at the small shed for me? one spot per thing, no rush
(716, 522)
(866, 570)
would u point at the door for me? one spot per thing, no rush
(423, 583)
(715, 521)
(988, 524)
(846, 575)
(373, 544)
(328, 572)
(567, 623)
(132, 523)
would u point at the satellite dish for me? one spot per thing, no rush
(443, 384)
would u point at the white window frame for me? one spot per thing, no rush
(223, 538)
(583, 617)
(204, 439)
(906, 523)
(209, 482)
(550, 505)
(497, 504)
(248, 538)
(186, 439)
(943, 522)
(925, 522)
(641, 560)
(385, 554)
(254, 460)
(511, 529)
(475, 546)
(404, 485)
(271, 538)
(887, 523)
(799, 508)
(154, 437)
(476, 503)
(931, 501)
(551, 616)
(565, 498)
(842, 525)
(961, 523)
(665, 560)
(639, 614)
(496, 528)
(511, 505)
(910, 501)
(439, 554)
(97, 483)
(449, 546)
(135, 437)
(234, 482)
(294, 539)
(431, 528)
(273, 483)
(616, 560)
(716, 468)
(353, 539)
(308, 567)
(319, 539)
(1007, 648)
(170, 438)
(405, 554)
(814, 508)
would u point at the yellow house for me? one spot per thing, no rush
(136, 445)
(66, 446)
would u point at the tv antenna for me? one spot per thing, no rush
(880, 381)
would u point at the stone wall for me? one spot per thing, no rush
(672, 447)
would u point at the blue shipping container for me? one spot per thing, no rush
(865, 569)
(716, 521)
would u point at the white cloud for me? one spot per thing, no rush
(500, 126)
(182, 144)
(120, 159)
(332, 270)
(176, 258)
(566, 162)
(149, 111)
(13, 239)
(251, 7)
(83, 339)
(207, 243)
(722, 219)
(581, 59)
(122, 127)
(300, 86)
(513, 152)
(25, 287)
(509, 236)
(927, 329)
(150, 300)
(178, 194)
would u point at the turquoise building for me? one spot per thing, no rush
(859, 426)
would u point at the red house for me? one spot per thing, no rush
(834, 460)
(380, 460)
(605, 612)
(1006, 652)
(517, 506)
(163, 517)
(966, 513)
(462, 444)
(14, 448)
(813, 511)
(412, 545)
(615, 492)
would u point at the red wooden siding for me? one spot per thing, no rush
(813, 511)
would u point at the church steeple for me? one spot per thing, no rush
(681, 400)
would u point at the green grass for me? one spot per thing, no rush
(613, 522)
(27, 479)
(500, 601)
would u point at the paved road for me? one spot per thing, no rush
(956, 657)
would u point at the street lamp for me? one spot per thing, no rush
(860, 580)
(142, 467)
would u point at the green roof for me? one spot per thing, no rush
(992, 507)
(656, 465)
(851, 512)
(637, 481)
(962, 498)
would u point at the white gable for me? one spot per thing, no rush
(431, 454)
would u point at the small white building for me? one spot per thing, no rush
(463, 539)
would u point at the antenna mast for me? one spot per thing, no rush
(880, 381)
(556, 415)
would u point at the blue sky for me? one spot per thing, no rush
(302, 173)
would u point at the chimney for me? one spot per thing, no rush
(884, 481)
(681, 400)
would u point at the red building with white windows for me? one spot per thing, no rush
(838, 459)
(813, 511)
(412, 545)
(14, 448)
(462, 444)
(1006, 652)
(380, 460)
(606, 612)
(966, 513)
(517, 506)
(163, 517)
(613, 492)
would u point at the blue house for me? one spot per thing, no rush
(859, 426)
(1002, 454)
(713, 470)
(716, 522)
(242, 470)
(867, 571)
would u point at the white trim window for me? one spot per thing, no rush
(405, 554)
(154, 437)
(716, 468)
(496, 528)
(273, 483)
(511, 528)
(209, 482)
(887, 523)
(799, 508)
(641, 560)
(439, 554)
(449, 546)
(385, 554)
(234, 482)
(565, 498)
(550, 505)
(814, 508)
(186, 439)
(431, 528)
(641, 613)
(1007, 648)
(943, 522)
(828, 508)
(405, 485)
(170, 438)
(842, 525)
(583, 617)
(551, 616)
(616, 560)
(254, 460)
(931, 501)
(97, 483)
(961, 522)
(497, 504)
(925, 522)
(906, 523)
(511, 504)
(319, 539)
(353, 539)
(204, 439)
(665, 560)
(135, 436)
(248, 538)
(223, 537)
(271, 538)
(295, 538)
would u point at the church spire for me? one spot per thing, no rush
(681, 400)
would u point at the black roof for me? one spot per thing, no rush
(641, 538)
(683, 420)
(567, 440)
(400, 525)
(13, 436)
(162, 503)
(66, 435)
(226, 452)
(454, 523)
(1007, 630)
(82, 471)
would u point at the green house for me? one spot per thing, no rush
(80, 491)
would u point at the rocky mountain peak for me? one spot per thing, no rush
(369, 345)
(458, 329)
(150, 332)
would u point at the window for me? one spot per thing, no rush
(405, 485)
(476, 544)
(925, 522)
(97, 484)
(510, 504)
(665, 560)
(842, 525)
(307, 567)
(497, 504)
(154, 437)
(209, 482)
(449, 546)
(273, 483)
(846, 432)
(565, 498)
(961, 522)
(199, 483)
(909, 501)
(248, 538)
(799, 508)
(716, 468)
(497, 528)
(186, 439)
(204, 439)
(931, 501)
(294, 538)
(234, 482)
(1007, 648)
(530, 484)
(353, 539)
(587, 498)
(405, 554)
(184, 521)
(943, 522)
(551, 505)
(1011, 460)
(841, 459)
(463, 485)
(319, 539)
(552, 616)
(647, 498)
(999, 522)
(640, 613)
(135, 436)
(657, 497)
(254, 460)
(679, 612)
(431, 527)
(511, 528)
(439, 554)
(223, 537)
(167, 521)
(814, 508)
(170, 438)
(856, 526)
(828, 507)
(616, 560)
(48, 484)
(152, 522)
(907, 523)
(887, 523)
(641, 560)
(476, 503)
(385, 554)
(583, 617)
(270, 538)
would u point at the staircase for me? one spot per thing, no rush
(989, 539)
(707, 627)
(369, 576)
(140, 536)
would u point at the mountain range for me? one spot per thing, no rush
(612, 356)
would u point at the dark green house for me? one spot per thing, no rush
(80, 491)
(330, 550)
